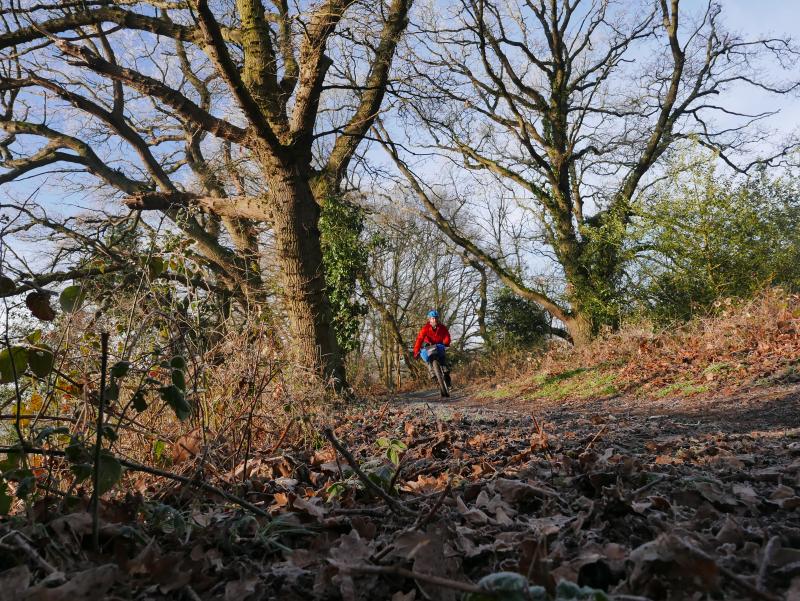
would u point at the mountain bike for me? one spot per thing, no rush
(434, 354)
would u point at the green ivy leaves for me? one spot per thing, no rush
(345, 256)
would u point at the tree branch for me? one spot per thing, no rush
(218, 51)
(239, 207)
(152, 87)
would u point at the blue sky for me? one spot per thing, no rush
(758, 17)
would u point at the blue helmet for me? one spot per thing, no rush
(433, 313)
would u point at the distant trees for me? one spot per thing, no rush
(414, 268)
(574, 105)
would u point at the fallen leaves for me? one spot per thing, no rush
(591, 515)
(87, 585)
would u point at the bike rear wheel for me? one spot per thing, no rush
(444, 389)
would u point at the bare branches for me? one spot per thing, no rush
(152, 87)
(314, 65)
(260, 64)
(374, 90)
(50, 154)
(447, 228)
(97, 16)
(573, 108)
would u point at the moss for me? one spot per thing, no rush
(715, 368)
(578, 383)
(683, 388)
(501, 392)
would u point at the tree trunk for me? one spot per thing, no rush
(295, 225)
(579, 326)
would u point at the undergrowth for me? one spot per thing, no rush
(752, 344)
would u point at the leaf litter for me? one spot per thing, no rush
(443, 503)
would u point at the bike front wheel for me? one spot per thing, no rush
(444, 389)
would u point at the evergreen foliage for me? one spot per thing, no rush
(706, 236)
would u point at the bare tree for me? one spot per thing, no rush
(221, 116)
(574, 103)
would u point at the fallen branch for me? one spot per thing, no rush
(22, 544)
(632, 495)
(594, 439)
(137, 467)
(393, 504)
(424, 521)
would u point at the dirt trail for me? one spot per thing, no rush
(748, 409)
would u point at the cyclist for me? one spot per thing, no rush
(433, 332)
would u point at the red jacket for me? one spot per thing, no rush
(427, 334)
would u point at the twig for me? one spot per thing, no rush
(595, 437)
(422, 522)
(249, 439)
(735, 578)
(26, 548)
(457, 585)
(542, 436)
(95, 506)
(277, 445)
(55, 418)
(191, 593)
(375, 513)
(382, 413)
(396, 474)
(420, 498)
(631, 496)
(392, 503)
(769, 551)
(137, 467)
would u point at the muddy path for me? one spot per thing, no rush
(715, 480)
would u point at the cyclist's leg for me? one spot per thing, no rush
(429, 365)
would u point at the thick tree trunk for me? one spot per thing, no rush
(295, 226)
